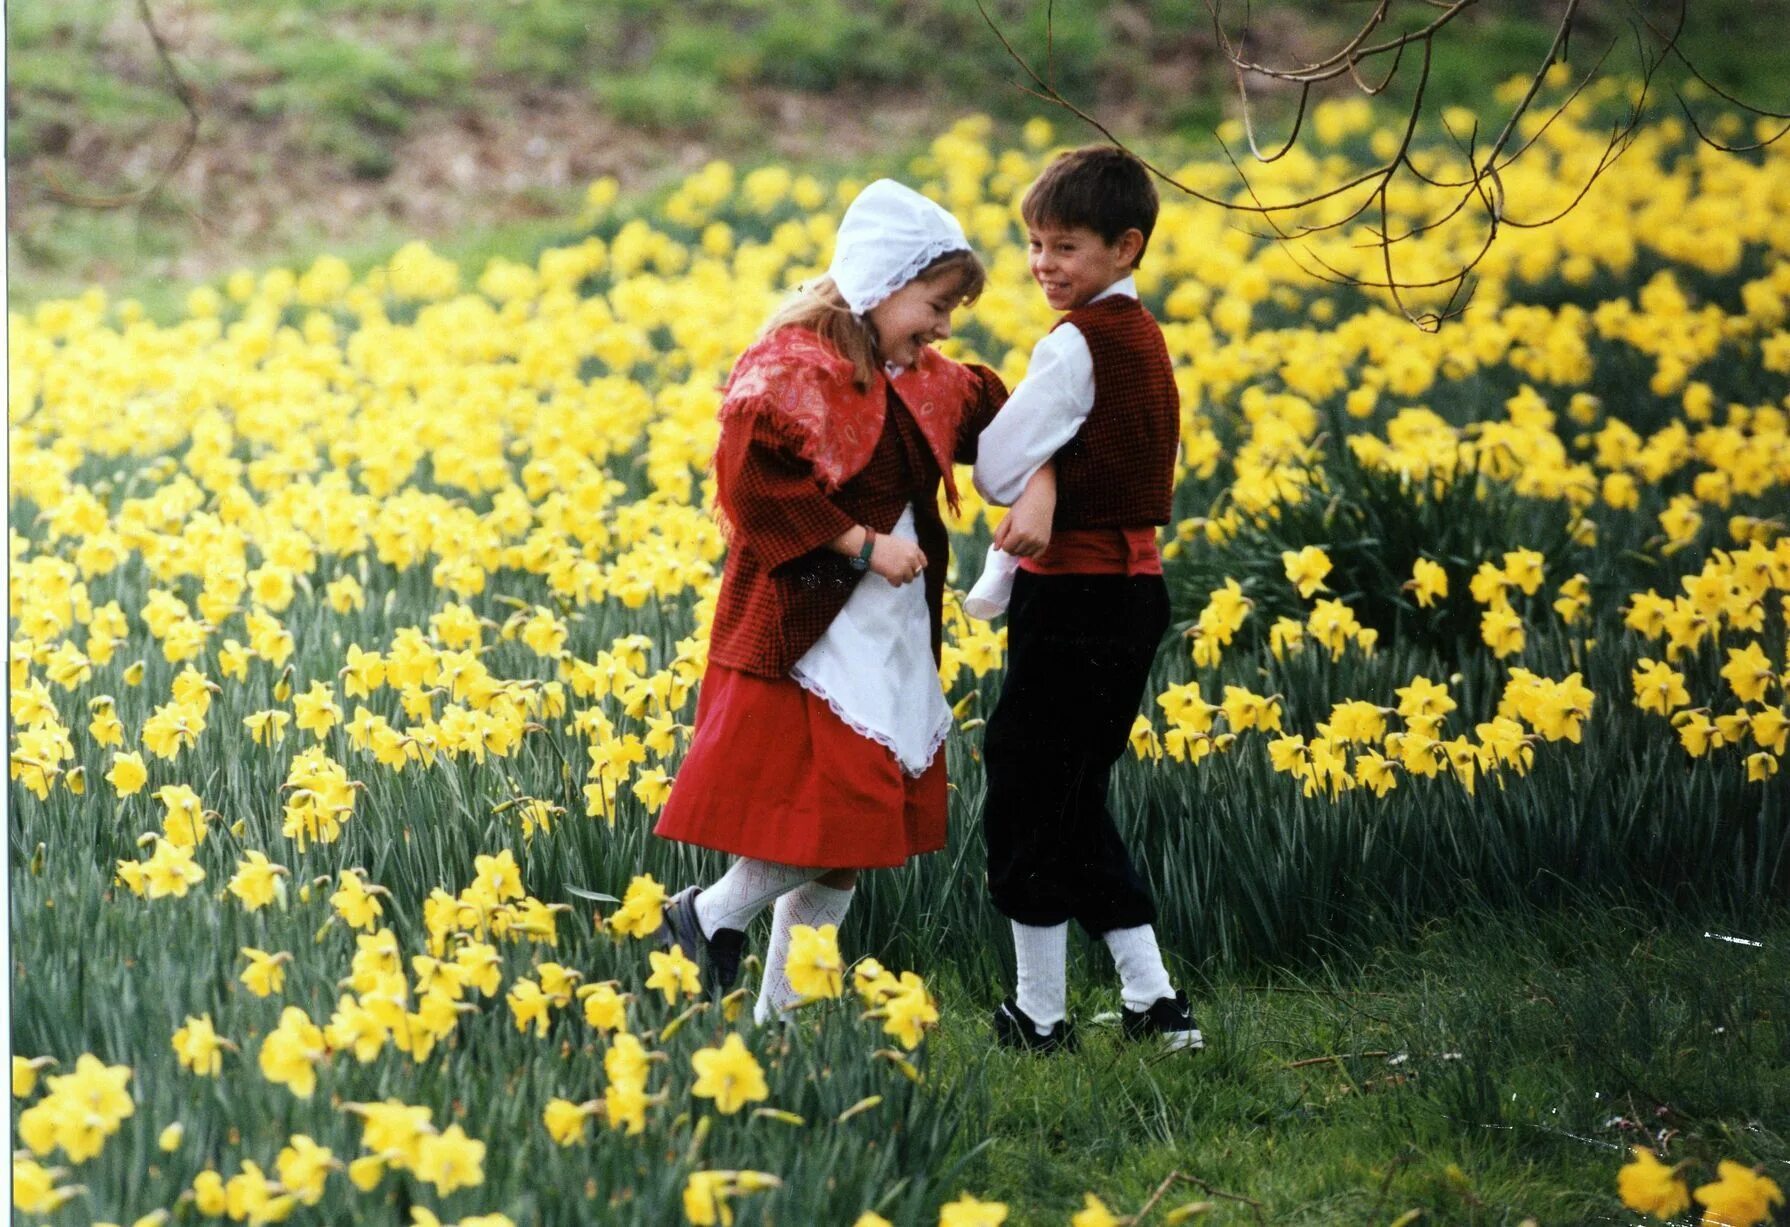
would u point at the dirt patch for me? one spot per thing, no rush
(254, 188)
(268, 182)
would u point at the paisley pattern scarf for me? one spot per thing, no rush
(802, 388)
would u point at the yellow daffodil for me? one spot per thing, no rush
(128, 774)
(1306, 569)
(967, 1211)
(674, 974)
(1738, 1197)
(24, 1074)
(604, 1008)
(184, 823)
(813, 965)
(641, 913)
(291, 1052)
(450, 1160)
(199, 1047)
(729, 1075)
(529, 1006)
(1659, 687)
(303, 1166)
(1094, 1214)
(266, 973)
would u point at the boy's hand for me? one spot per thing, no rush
(1026, 530)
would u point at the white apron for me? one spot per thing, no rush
(874, 667)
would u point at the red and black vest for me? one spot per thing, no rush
(1119, 469)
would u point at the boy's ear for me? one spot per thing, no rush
(1129, 246)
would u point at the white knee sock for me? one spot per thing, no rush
(1041, 952)
(1143, 980)
(739, 894)
(809, 904)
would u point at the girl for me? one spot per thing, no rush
(816, 751)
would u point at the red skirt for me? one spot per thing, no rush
(772, 773)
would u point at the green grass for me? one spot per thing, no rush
(661, 98)
(1483, 1070)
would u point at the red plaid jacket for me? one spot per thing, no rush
(782, 587)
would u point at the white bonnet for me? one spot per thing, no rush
(888, 235)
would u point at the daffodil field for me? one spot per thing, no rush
(356, 624)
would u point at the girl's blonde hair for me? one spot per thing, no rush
(822, 309)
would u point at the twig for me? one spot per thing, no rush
(188, 100)
(1212, 1190)
(1337, 1057)
(1155, 1197)
(1392, 1169)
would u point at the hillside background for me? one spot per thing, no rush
(356, 125)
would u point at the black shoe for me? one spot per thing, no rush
(717, 958)
(1014, 1030)
(1170, 1018)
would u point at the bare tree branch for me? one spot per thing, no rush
(1249, 128)
(1482, 185)
(188, 100)
(1673, 50)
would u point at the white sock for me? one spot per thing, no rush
(809, 904)
(741, 893)
(1143, 980)
(1042, 952)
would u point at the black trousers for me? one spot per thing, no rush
(1079, 649)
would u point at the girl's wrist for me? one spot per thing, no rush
(861, 556)
(851, 540)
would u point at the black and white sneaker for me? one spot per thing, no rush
(717, 957)
(1171, 1018)
(1013, 1029)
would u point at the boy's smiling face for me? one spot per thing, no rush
(1072, 264)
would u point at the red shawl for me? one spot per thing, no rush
(802, 388)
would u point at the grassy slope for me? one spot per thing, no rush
(323, 95)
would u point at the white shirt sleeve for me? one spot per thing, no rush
(1041, 415)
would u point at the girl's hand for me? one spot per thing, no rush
(897, 559)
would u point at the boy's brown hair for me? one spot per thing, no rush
(1101, 187)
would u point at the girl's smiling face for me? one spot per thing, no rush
(914, 316)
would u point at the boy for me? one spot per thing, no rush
(1085, 454)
